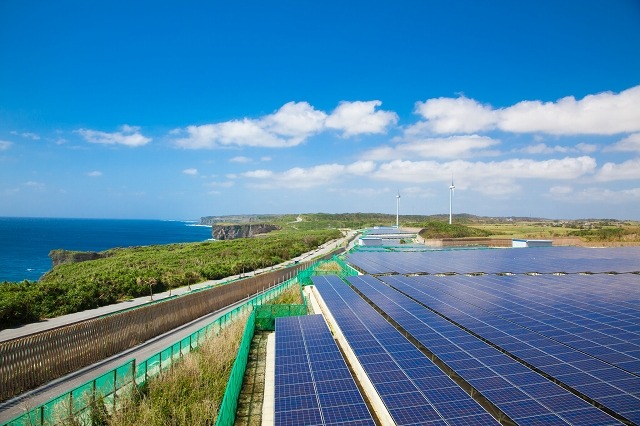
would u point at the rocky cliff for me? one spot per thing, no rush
(58, 257)
(230, 232)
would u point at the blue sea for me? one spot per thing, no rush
(25, 242)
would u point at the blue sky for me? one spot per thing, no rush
(176, 110)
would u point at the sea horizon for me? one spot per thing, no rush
(25, 242)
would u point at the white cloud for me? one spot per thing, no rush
(291, 125)
(94, 173)
(191, 172)
(27, 135)
(359, 117)
(240, 159)
(560, 191)
(128, 135)
(301, 178)
(629, 144)
(450, 147)
(5, 145)
(586, 148)
(627, 170)
(542, 148)
(224, 184)
(459, 115)
(296, 120)
(477, 172)
(600, 114)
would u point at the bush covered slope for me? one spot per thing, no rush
(129, 272)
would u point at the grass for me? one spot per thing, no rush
(190, 393)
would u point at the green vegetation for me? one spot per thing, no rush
(135, 271)
(432, 230)
(191, 392)
(608, 234)
(291, 296)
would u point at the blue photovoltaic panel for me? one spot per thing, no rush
(595, 314)
(493, 261)
(313, 385)
(614, 388)
(413, 389)
(522, 394)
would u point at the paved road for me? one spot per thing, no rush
(25, 330)
(16, 406)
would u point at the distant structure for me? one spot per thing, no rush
(398, 210)
(451, 189)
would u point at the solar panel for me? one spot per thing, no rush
(313, 385)
(497, 376)
(592, 379)
(581, 311)
(406, 381)
(495, 261)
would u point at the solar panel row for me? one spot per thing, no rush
(615, 389)
(598, 315)
(494, 261)
(525, 396)
(313, 385)
(413, 389)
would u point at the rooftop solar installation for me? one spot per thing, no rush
(313, 385)
(497, 261)
(413, 389)
(616, 389)
(524, 395)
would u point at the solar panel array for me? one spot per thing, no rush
(597, 314)
(603, 383)
(524, 395)
(413, 389)
(495, 261)
(313, 385)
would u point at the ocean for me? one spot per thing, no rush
(25, 243)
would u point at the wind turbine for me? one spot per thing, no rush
(398, 209)
(451, 190)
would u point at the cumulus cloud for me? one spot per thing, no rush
(5, 145)
(433, 171)
(450, 147)
(289, 126)
(600, 114)
(190, 172)
(459, 115)
(629, 144)
(128, 136)
(354, 118)
(628, 170)
(304, 178)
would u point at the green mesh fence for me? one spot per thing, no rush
(75, 407)
(333, 266)
(266, 314)
(227, 412)
(78, 403)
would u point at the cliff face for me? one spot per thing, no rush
(59, 257)
(230, 232)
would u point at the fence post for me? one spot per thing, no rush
(115, 387)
